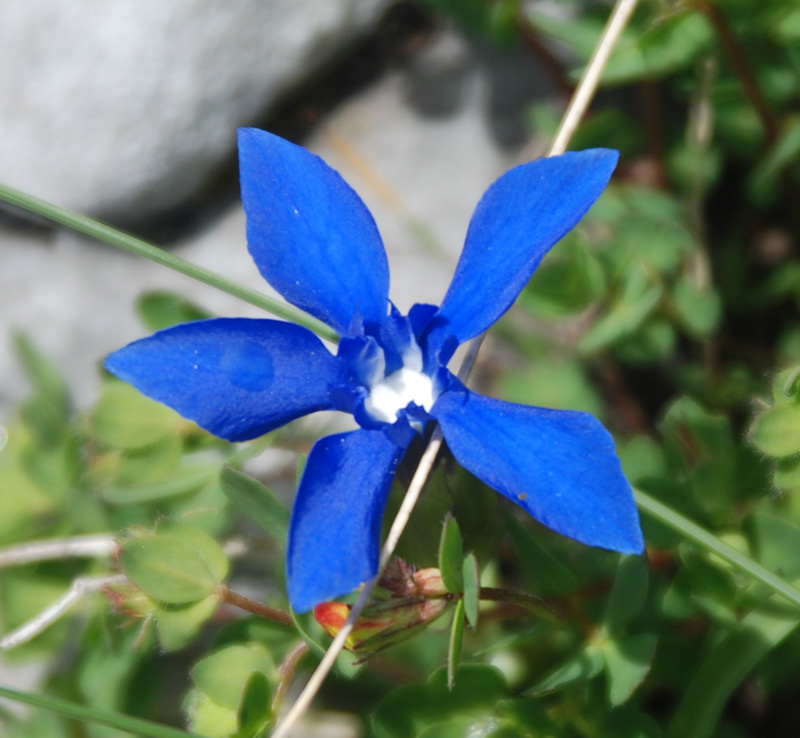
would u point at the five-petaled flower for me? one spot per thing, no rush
(316, 243)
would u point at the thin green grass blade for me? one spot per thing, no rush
(724, 669)
(712, 544)
(120, 239)
(135, 726)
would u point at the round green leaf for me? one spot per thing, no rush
(224, 675)
(203, 545)
(167, 570)
(178, 625)
(208, 718)
(777, 431)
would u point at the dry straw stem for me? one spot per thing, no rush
(91, 546)
(81, 587)
(575, 111)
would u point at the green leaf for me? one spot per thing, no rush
(472, 588)
(159, 309)
(44, 376)
(641, 457)
(702, 538)
(183, 480)
(255, 709)
(30, 500)
(456, 641)
(627, 662)
(580, 668)
(565, 283)
(208, 718)
(139, 466)
(701, 586)
(232, 691)
(699, 309)
(628, 594)
(179, 625)
(201, 543)
(653, 341)
(256, 501)
(776, 542)
(764, 178)
(550, 573)
(167, 569)
(224, 674)
(408, 710)
(723, 670)
(638, 300)
(704, 444)
(670, 44)
(553, 382)
(786, 385)
(125, 418)
(132, 725)
(786, 476)
(776, 432)
(451, 554)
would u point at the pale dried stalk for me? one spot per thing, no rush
(586, 88)
(80, 588)
(91, 546)
(572, 117)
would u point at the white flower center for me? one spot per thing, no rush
(393, 393)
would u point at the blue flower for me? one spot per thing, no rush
(316, 243)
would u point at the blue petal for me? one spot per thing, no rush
(334, 538)
(518, 220)
(236, 377)
(561, 466)
(310, 234)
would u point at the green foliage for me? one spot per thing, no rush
(451, 554)
(410, 710)
(257, 502)
(176, 567)
(671, 313)
(159, 309)
(231, 692)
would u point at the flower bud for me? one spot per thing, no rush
(405, 602)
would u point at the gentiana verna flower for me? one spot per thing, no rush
(316, 243)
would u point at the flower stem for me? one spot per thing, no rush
(286, 670)
(741, 67)
(523, 600)
(257, 608)
(712, 544)
(127, 242)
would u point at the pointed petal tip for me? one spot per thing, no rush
(520, 217)
(629, 540)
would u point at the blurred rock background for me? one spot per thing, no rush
(128, 111)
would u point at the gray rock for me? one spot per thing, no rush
(421, 175)
(130, 105)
